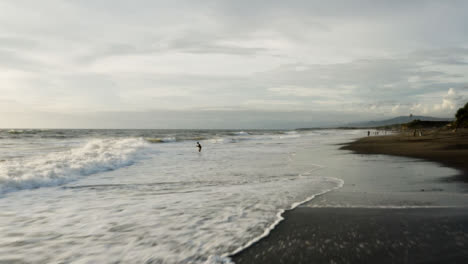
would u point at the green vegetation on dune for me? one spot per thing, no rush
(462, 117)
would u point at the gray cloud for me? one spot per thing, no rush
(17, 43)
(263, 61)
(14, 60)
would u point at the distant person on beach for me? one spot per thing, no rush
(199, 147)
(368, 133)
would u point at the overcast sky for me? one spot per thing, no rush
(229, 64)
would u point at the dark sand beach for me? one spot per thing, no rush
(406, 224)
(364, 235)
(441, 146)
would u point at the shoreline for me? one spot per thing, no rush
(279, 218)
(318, 232)
(444, 147)
(364, 235)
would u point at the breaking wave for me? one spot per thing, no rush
(161, 140)
(58, 168)
(241, 133)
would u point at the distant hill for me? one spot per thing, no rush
(396, 120)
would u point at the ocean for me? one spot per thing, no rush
(149, 196)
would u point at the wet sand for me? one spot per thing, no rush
(364, 235)
(445, 147)
(356, 224)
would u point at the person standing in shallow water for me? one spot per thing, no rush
(199, 147)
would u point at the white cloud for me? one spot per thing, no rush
(451, 92)
(448, 102)
(419, 109)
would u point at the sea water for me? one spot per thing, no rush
(149, 196)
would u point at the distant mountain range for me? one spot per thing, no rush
(396, 120)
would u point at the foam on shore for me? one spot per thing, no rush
(279, 217)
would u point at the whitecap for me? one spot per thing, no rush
(58, 168)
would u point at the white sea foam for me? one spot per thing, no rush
(58, 168)
(178, 206)
(241, 133)
(279, 217)
(221, 140)
(161, 140)
(289, 135)
(240, 137)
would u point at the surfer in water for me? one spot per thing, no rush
(199, 147)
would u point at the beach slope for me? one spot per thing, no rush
(445, 147)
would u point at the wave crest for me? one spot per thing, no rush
(161, 140)
(58, 168)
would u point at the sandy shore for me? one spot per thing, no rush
(380, 218)
(363, 235)
(445, 147)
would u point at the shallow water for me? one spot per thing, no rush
(91, 196)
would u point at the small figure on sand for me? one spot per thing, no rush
(368, 133)
(199, 147)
